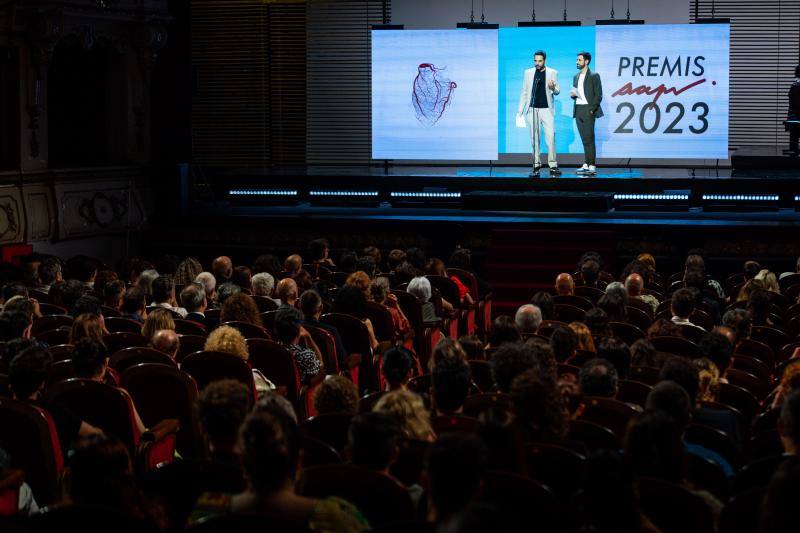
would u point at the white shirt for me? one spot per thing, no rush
(581, 100)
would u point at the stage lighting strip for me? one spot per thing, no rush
(262, 192)
(343, 193)
(651, 197)
(742, 197)
(403, 194)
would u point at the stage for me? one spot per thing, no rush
(761, 191)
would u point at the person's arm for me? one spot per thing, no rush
(88, 430)
(556, 88)
(447, 306)
(308, 341)
(598, 91)
(522, 96)
(373, 341)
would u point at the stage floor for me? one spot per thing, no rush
(712, 196)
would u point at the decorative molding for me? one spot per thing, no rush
(106, 208)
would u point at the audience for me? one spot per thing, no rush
(598, 377)
(398, 368)
(450, 385)
(408, 409)
(336, 394)
(528, 319)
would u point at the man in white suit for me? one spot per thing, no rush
(539, 85)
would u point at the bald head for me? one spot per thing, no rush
(727, 332)
(286, 291)
(634, 284)
(222, 267)
(293, 263)
(167, 341)
(565, 285)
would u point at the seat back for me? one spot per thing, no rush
(482, 375)
(317, 453)
(633, 391)
(559, 468)
(103, 406)
(248, 331)
(676, 345)
(381, 499)
(54, 336)
(128, 357)
(33, 446)
(609, 413)
(645, 374)
(61, 351)
(327, 346)
(161, 392)
(265, 304)
(478, 403)
(627, 332)
(569, 313)
(455, 424)
(330, 428)
(208, 366)
(382, 323)
(117, 341)
(110, 311)
(592, 293)
(117, 324)
(189, 344)
(278, 365)
(366, 403)
(51, 309)
(50, 322)
(189, 327)
(742, 399)
(659, 500)
(580, 302)
(593, 436)
(410, 461)
(524, 499)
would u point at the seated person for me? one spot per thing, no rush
(454, 465)
(598, 377)
(789, 424)
(269, 444)
(193, 299)
(336, 394)
(27, 374)
(682, 306)
(399, 366)
(134, 306)
(538, 408)
(380, 294)
(351, 300)
(311, 306)
(167, 341)
(450, 384)
(420, 287)
(164, 295)
(528, 319)
(291, 333)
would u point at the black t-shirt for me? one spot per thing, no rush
(794, 101)
(68, 424)
(539, 96)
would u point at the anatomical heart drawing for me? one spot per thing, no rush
(431, 94)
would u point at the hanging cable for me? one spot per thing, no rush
(565, 9)
(472, 12)
(483, 16)
(629, 11)
(533, 10)
(612, 9)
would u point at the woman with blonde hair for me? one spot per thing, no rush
(409, 410)
(229, 340)
(790, 382)
(749, 287)
(157, 319)
(770, 280)
(709, 380)
(87, 326)
(584, 337)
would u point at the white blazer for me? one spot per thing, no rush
(551, 74)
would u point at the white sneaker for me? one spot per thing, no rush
(583, 169)
(592, 170)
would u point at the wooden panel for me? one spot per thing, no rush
(765, 47)
(339, 80)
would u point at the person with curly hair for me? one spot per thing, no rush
(709, 379)
(241, 308)
(583, 335)
(790, 382)
(538, 408)
(229, 340)
(336, 394)
(360, 280)
(409, 410)
(157, 319)
(187, 271)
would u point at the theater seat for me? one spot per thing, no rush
(659, 500)
(609, 412)
(381, 499)
(128, 357)
(33, 446)
(330, 428)
(208, 366)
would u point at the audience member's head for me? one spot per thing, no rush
(509, 361)
(187, 271)
(157, 319)
(716, 348)
(89, 359)
(318, 250)
(682, 303)
(113, 293)
(617, 353)
(446, 348)
(336, 394)
(473, 347)
(263, 284)
(222, 407)
(504, 329)
(643, 353)
(193, 298)
(450, 383)
(287, 325)
(14, 325)
(583, 336)
(209, 283)
(87, 326)
(654, 447)
(398, 367)
(269, 444)
(375, 253)
(563, 342)
(225, 291)
(222, 268)
(546, 304)
(455, 465)
(286, 291)
(167, 341)
(240, 307)
(751, 269)
(229, 340)
(420, 287)
(395, 258)
(613, 303)
(528, 318)
(672, 399)
(86, 304)
(49, 271)
(293, 264)
(708, 379)
(409, 411)
(634, 284)
(267, 263)
(739, 321)
(597, 321)
(539, 408)
(372, 439)
(684, 373)
(590, 271)
(310, 304)
(163, 290)
(351, 300)
(598, 377)
(565, 285)
(28, 370)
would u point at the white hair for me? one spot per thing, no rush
(263, 283)
(616, 286)
(145, 281)
(208, 281)
(421, 288)
(528, 318)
